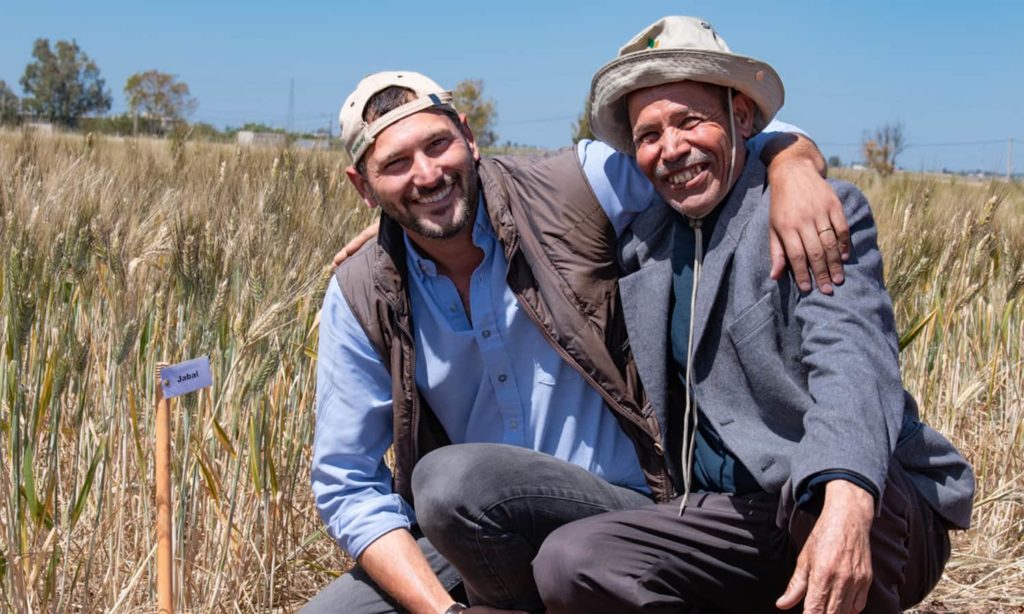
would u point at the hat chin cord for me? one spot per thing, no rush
(690, 414)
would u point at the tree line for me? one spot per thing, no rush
(62, 85)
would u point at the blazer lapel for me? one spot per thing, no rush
(645, 306)
(735, 214)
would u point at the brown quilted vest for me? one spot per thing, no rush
(561, 249)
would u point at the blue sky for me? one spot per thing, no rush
(951, 72)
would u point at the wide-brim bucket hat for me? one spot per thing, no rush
(676, 49)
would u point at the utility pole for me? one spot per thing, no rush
(1009, 162)
(291, 106)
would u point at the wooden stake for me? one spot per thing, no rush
(164, 545)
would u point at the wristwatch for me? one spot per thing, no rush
(455, 608)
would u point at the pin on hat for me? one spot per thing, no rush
(676, 49)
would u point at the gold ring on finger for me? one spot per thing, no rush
(825, 229)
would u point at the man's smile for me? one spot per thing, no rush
(437, 196)
(434, 195)
(688, 177)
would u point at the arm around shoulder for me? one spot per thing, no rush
(808, 225)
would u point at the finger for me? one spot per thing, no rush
(816, 259)
(838, 600)
(818, 595)
(833, 257)
(796, 589)
(797, 260)
(838, 220)
(860, 600)
(778, 255)
(340, 256)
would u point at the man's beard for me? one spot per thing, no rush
(464, 207)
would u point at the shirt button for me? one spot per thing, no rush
(514, 425)
(454, 308)
(502, 378)
(486, 334)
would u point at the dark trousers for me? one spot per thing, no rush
(728, 554)
(485, 510)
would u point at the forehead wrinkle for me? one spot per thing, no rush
(701, 98)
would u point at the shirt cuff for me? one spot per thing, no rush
(384, 523)
(811, 497)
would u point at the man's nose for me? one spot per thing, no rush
(674, 145)
(426, 171)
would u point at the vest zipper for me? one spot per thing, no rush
(612, 403)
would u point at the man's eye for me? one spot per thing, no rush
(690, 123)
(647, 138)
(394, 164)
(438, 143)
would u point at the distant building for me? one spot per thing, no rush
(248, 138)
(41, 127)
(311, 144)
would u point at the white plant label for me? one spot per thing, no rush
(186, 377)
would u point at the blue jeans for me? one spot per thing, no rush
(484, 510)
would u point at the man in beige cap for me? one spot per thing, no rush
(486, 315)
(808, 476)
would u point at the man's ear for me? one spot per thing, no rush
(743, 109)
(468, 133)
(359, 182)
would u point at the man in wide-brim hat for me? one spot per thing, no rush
(811, 479)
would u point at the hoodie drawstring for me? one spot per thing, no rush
(690, 413)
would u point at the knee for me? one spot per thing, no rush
(434, 482)
(564, 566)
(447, 485)
(465, 475)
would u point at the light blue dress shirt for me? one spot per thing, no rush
(492, 378)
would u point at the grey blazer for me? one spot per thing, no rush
(795, 384)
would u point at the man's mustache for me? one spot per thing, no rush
(694, 157)
(422, 192)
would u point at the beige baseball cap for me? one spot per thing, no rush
(357, 135)
(676, 49)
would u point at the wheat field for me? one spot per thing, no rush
(117, 254)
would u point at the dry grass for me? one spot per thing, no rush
(117, 254)
(954, 254)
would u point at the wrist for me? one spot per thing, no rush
(797, 153)
(849, 499)
(786, 162)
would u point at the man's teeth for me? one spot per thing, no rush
(437, 196)
(685, 175)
